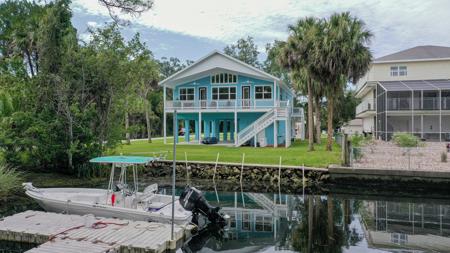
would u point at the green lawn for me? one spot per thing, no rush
(297, 154)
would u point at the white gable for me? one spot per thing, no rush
(212, 62)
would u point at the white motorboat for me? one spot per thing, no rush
(118, 201)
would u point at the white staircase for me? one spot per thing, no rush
(260, 124)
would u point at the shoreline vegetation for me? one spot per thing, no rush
(10, 179)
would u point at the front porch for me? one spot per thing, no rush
(233, 128)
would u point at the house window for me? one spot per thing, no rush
(402, 71)
(263, 92)
(223, 93)
(399, 71)
(186, 93)
(223, 78)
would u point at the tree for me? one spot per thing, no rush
(244, 50)
(297, 56)
(342, 55)
(145, 75)
(132, 7)
(272, 65)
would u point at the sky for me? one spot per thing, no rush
(191, 29)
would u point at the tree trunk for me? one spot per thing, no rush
(127, 124)
(30, 62)
(318, 121)
(147, 120)
(310, 118)
(330, 122)
(310, 222)
(330, 228)
(70, 151)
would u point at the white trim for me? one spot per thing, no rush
(222, 54)
(262, 99)
(223, 86)
(223, 72)
(412, 60)
(179, 93)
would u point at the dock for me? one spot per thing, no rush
(54, 232)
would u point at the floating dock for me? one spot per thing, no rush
(74, 233)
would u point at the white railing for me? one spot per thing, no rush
(365, 105)
(241, 104)
(261, 123)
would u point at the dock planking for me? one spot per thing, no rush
(74, 233)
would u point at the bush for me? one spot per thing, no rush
(444, 156)
(10, 179)
(357, 140)
(406, 140)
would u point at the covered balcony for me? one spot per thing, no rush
(224, 105)
(366, 108)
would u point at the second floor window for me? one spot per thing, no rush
(263, 92)
(186, 93)
(399, 71)
(223, 93)
(224, 78)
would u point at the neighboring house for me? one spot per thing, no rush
(353, 127)
(408, 91)
(220, 94)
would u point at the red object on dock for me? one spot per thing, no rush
(113, 199)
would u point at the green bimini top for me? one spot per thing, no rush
(123, 159)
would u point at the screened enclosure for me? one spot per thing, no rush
(420, 107)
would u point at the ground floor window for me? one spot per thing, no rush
(263, 92)
(186, 93)
(224, 93)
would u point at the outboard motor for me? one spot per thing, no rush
(193, 200)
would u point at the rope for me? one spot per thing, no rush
(96, 225)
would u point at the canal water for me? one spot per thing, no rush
(322, 222)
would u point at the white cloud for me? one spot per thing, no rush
(396, 24)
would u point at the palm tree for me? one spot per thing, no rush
(342, 56)
(297, 57)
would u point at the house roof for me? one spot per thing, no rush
(419, 53)
(410, 85)
(217, 61)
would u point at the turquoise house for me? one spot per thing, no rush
(220, 96)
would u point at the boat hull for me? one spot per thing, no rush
(81, 208)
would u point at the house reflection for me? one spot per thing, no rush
(257, 221)
(416, 226)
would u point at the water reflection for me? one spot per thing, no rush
(326, 223)
(268, 222)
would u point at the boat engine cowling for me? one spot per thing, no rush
(193, 200)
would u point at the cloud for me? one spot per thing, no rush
(396, 24)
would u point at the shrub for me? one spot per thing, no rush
(357, 140)
(444, 156)
(406, 140)
(10, 179)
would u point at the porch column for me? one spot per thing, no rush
(275, 134)
(235, 128)
(164, 120)
(213, 128)
(199, 127)
(231, 132)
(186, 131)
(421, 126)
(218, 130)
(225, 130)
(286, 133)
(196, 129)
(207, 128)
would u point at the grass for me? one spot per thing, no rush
(297, 154)
(10, 179)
